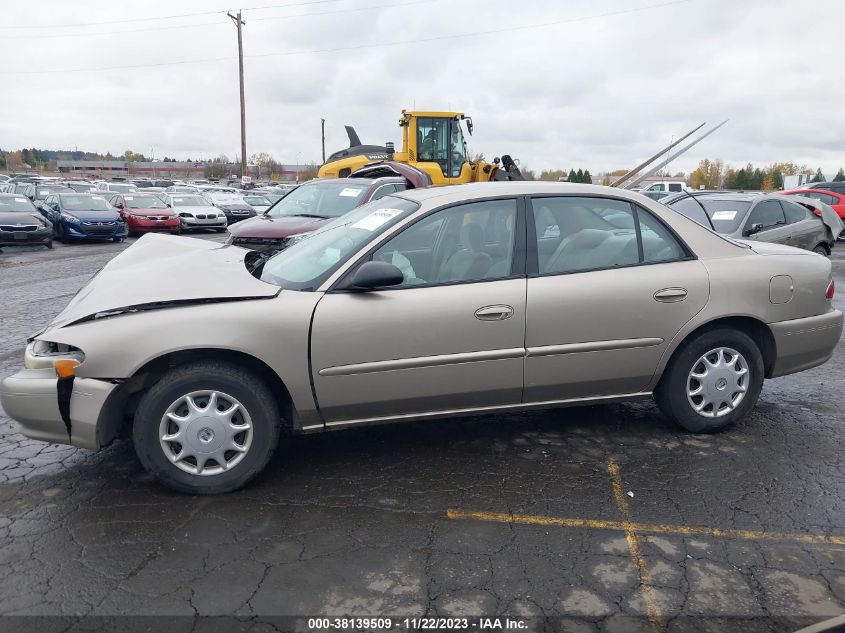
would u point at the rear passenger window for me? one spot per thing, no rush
(579, 234)
(794, 213)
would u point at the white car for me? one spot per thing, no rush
(195, 212)
(258, 201)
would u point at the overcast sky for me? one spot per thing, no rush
(602, 85)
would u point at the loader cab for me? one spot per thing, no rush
(436, 145)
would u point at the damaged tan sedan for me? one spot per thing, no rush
(431, 303)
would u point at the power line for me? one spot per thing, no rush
(204, 24)
(438, 38)
(163, 17)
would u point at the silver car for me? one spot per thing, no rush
(195, 212)
(429, 303)
(763, 217)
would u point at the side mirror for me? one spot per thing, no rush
(755, 228)
(376, 275)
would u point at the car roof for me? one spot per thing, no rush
(479, 190)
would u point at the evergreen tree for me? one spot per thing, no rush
(579, 175)
(572, 176)
(819, 177)
(588, 179)
(840, 176)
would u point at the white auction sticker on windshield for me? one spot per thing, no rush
(351, 192)
(128, 198)
(98, 197)
(724, 215)
(376, 219)
(20, 199)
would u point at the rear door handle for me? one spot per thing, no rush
(494, 313)
(670, 295)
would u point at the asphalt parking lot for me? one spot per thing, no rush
(607, 516)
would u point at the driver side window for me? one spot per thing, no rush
(433, 141)
(768, 214)
(469, 242)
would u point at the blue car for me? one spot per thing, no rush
(83, 216)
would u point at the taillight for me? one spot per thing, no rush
(831, 288)
(817, 212)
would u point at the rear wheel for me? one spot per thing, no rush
(712, 381)
(206, 428)
(821, 249)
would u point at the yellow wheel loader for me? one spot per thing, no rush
(432, 142)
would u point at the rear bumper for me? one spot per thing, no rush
(805, 343)
(30, 398)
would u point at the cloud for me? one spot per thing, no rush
(600, 93)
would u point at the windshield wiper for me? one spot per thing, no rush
(311, 215)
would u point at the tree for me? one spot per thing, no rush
(527, 173)
(708, 175)
(588, 179)
(552, 175)
(819, 177)
(131, 157)
(840, 176)
(579, 175)
(572, 176)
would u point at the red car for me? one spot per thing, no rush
(145, 212)
(318, 202)
(835, 200)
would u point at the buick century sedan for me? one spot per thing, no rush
(428, 303)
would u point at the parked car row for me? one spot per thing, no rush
(98, 210)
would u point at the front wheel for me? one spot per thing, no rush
(821, 249)
(712, 381)
(206, 428)
(49, 244)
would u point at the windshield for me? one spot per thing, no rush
(320, 200)
(261, 201)
(15, 203)
(126, 188)
(726, 215)
(144, 202)
(86, 203)
(188, 201)
(308, 263)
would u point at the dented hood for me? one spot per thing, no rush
(165, 270)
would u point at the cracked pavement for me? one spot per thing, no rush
(354, 522)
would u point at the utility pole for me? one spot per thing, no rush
(239, 23)
(323, 129)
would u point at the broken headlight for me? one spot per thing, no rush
(44, 355)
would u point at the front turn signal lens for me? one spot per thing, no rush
(64, 367)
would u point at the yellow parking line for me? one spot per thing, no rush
(651, 607)
(652, 528)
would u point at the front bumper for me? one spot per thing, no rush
(138, 225)
(39, 236)
(30, 398)
(200, 223)
(237, 216)
(95, 230)
(805, 343)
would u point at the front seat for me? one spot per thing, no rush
(470, 262)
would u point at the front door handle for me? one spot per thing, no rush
(670, 295)
(494, 313)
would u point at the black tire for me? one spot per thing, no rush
(821, 249)
(221, 230)
(63, 238)
(671, 392)
(49, 244)
(235, 381)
